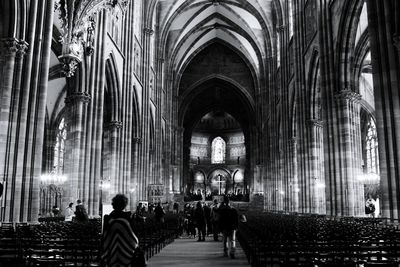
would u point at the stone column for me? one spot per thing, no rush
(293, 179)
(179, 179)
(75, 154)
(383, 21)
(114, 128)
(176, 179)
(9, 49)
(316, 158)
(349, 189)
(135, 182)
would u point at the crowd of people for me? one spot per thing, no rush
(202, 220)
(201, 195)
(197, 219)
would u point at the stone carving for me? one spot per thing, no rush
(237, 151)
(155, 192)
(137, 140)
(236, 139)
(347, 95)
(115, 124)
(11, 45)
(77, 28)
(148, 31)
(78, 97)
(198, 151)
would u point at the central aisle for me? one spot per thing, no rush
(187, 252)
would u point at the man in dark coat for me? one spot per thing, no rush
(207, 214)
(200, 221)
(215, 219)
(159, 213)
(80, 212)
(228, 223)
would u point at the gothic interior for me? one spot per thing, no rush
(288, 106)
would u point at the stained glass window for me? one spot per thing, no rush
(218, 147)
(59, 148)
(372, 148)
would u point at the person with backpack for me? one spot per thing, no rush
(120, 243)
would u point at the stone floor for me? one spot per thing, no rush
(187, 252)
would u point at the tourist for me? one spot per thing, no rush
(69, 213)
(176, 208)
(55, 211)
(207, 214)
(120, 244)
(159, 213)
(370, 207)
(200, 221)
(215, 219)
(228, 222)
(80, 212)
(139, 214)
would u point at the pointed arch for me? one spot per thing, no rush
(113, 88)
(346, 42)
(314, 96)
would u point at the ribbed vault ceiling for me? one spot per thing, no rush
(187, 25)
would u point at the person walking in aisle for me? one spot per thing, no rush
(228, 222)
(215, 219)
(200, 221)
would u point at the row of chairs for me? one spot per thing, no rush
(73, 243)
(291, 240)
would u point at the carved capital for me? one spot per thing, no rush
(315, 123)
(115, 125)
(216, 25)
(215, 2)
(281, 28)
(148, 31)
(70, 63)
(347, 96)
(78, 97)
(137, 140)
(9, 46)
(13, 47)
(292, 141)
(22, 48)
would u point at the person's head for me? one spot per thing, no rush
(198, 204)
(79, 202)
(215, 201)
(119, 202)
(226, 200)
(140, 204)
(70, 205)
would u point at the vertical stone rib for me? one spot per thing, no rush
(38, 131)
(386, 76)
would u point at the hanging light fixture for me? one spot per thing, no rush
(53, 178)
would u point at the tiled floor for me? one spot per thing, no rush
(188, 252)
